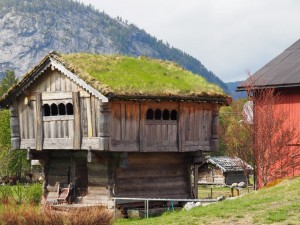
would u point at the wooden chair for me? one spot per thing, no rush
(64, 195)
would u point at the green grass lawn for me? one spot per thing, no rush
(275, 205)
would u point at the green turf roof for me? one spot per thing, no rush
(124, 75)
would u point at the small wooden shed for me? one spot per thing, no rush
(224, 170)
(114, 126)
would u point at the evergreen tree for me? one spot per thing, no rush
(8, 81)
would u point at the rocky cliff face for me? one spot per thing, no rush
(29, 29)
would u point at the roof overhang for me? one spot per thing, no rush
(36, 72)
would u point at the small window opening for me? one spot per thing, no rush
(46, 110)
(54, 110)
(173, 115)
(166, 114)
(150, 114)
(70, 109)
(61, 109)
(158, 114)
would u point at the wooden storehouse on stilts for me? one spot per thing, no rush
(114, 126)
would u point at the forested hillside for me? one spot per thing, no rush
(29, 29)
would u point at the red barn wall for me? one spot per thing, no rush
(290, 106)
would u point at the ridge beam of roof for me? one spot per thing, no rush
(77, 80)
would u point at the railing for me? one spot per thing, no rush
(147, 200)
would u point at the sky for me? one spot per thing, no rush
(232, 38)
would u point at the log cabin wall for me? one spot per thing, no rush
(154, 175)
(163, 127)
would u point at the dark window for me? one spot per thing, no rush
(173, 115)
(70, 109)
(46, 110)
(54, 110)
(158, 114)
(150, 114)
(61, 109)
(166, 114)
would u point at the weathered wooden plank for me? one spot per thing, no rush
(71, 128)
(123, 121)
(97, 166)
(93, 143)
(52, 82)
(63, 83)
(27, 143)
(68, 84)
(84, 121)
(58, 118)
(39, 122)
(105, 121)
(77, 122)
(59, 95)
(58, 81)
(145, 172)
(155, 158)
(93, 117)
(181, 128)
(58, 143)
(116, 122)
(89, 118)
(53, 133)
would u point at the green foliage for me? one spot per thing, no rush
(11, 162)
(21, 194)
(5, 194)
(8, 81)
(34, 193)
(128, 75)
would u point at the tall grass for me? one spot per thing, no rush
(30, 215)
(19, 194)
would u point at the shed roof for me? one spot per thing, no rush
(124, 77)
(282, 71)
(229, 164)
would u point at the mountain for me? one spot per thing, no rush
(232, 90)
(29, 29)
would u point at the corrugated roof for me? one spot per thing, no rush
(282, 71)
(229, 164)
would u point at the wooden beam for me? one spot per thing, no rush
(39, 122)
(77, 125)
(104, 120)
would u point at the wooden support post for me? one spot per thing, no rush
(196, 167)
(105, 117)
(77, 124)
(14, 126)
(39, 122)
(214, 142)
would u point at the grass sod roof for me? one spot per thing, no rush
(123, 75)
(128, 78)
